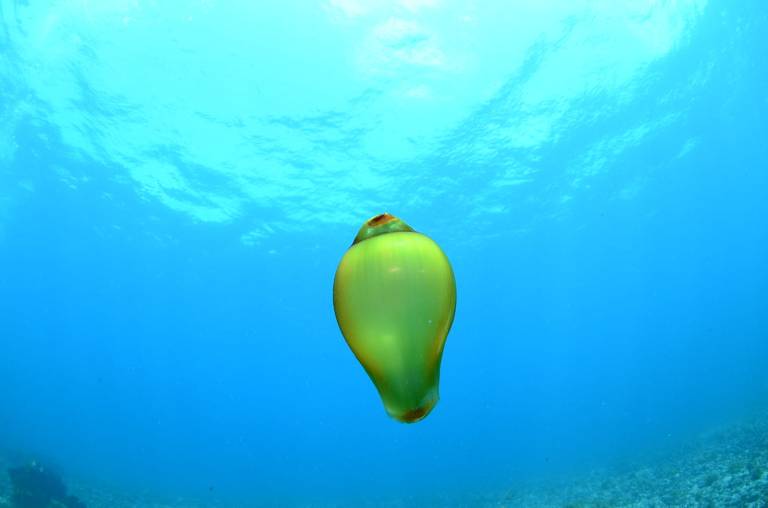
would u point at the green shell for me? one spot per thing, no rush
(395, 296)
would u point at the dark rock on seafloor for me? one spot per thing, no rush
(34, 486)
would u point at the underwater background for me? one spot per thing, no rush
(179, 181)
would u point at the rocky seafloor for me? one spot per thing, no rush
(726, 467)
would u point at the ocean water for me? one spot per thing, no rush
(179, 181)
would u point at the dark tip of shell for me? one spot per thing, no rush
(379, 225)
(380, 219)
(415, 415)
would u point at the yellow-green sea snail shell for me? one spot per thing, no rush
(395, 296)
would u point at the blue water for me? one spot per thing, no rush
(179, 180)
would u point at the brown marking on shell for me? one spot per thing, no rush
(380, 219)
(414, 415)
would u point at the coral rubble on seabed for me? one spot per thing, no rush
(723, 468)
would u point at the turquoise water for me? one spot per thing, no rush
(179, 180)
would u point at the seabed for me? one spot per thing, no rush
(725, 467)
